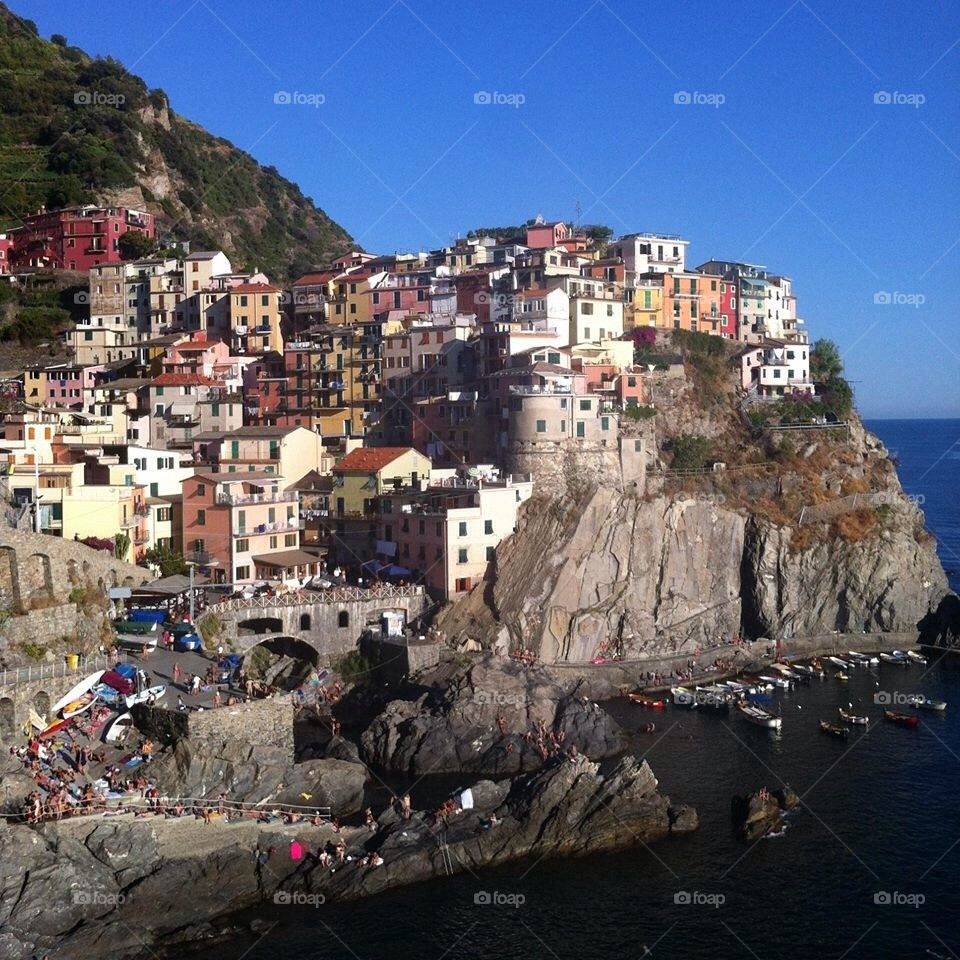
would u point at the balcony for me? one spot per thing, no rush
(278, 526)
(243, 499)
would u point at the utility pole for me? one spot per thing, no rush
(36, 495)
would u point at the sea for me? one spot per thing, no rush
(867, 867)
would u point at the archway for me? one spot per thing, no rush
(260, 625)
(36, 578)
(41, 703)
(8, 717)
(73, 571)
(283, 662)
(304, 621)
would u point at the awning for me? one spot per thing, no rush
(286, 559)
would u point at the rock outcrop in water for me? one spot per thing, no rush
(122, 887)
(458, 728)
(601, 570)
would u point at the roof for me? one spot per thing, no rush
(313, 482)
(184, 380)
(262, 431)
(285, 559)
(191, 345)
(204, 255)
(122, 383)
(238, 476)
(171, 586)
(370, 459)
(309, 279)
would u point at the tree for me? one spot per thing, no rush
(167, 561)
(121, 545)
(825, 362)
(690, 452)
(134, 245)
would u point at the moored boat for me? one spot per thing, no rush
(713, 698)
(841, 676)
(782, 682)
(917, 658)
(756, 714)
(833, 728)
(682, 697)
(837, 662)
(904, 719)
(651, 703)
(925, 703)
(852, 718)
(894, 657)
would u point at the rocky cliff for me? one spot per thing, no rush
(819, 541)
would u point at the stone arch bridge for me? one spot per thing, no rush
(331, 621)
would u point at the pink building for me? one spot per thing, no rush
(197, 356)
(541, 235)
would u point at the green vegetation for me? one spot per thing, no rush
(826, 369)
(690, 452)
(35, 651)
(210, 628)
(40, 308)
(75, 130)
(169, 562)
(353, 667)
(640, 413)
(121, 545)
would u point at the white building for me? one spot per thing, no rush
(650, 253)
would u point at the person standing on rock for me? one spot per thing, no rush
(405, 806)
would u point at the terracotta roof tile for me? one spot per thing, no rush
(370, 459)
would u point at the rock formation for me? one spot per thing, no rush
(456, 729)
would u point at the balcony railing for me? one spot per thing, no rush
(279, 526)
(240, 499)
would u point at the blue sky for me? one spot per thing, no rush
(782, 157)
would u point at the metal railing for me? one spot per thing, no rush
(53, 671)
(240, 499)
(384, 591)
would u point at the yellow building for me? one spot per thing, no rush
(367, 473)
(646, 306)
(255, 314)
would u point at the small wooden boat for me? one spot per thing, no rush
(118, 728)
(837, 662)
(782, 682)
(904, 719)
(76, 707)
(757, 715)
(713, 698)
(916, 658)
(841, 676)
(919, 702)
(650, 703)
(833, 729)
(807, 671)
(54, 728)
(852, 718)
(143, 696)
(682, 697)
(77, 691)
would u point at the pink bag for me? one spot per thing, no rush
(296, 851)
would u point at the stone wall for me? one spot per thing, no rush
(566, 467)
(267, 722)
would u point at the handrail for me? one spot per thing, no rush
(331, 595)
(44, 671)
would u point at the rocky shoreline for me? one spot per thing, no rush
(124, 886)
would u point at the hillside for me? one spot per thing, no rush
(129, 146)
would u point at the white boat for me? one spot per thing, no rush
(919, 702)
(118, 728)
(852, 718)
(144, 695)
(760, 717)
(781, 682)
(917, 658)
(682, 697)
(75, 693)
(713, 697)
(894, 658)
(80, 705)
(837, 662)
(806, 671)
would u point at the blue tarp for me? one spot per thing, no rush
(127, 670)
(148, 616)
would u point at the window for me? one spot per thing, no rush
(584, 404)
(201, 518)
(343, 619)
(488, 527)
(290, 540)
(242, 573)
(586, 309)
(462, 555)
(304, 621)
(581, 429)
(604, 423)
(273, 543)
(541, 426)
(243, 545)
(461, 529)
(491, 554)
(586, 333)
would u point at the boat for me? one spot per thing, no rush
(782, 682)
(78, 706)
(807, 671)
(833, 728)
(682, 697)
(644, 701)
(54, 727)
(760, 686)
(917, 658)
(757, 715)
(144, 695)
(852, 718)
(894, 658)
(925, 703)
(837, 662)
(118, 728)
(904, 719)
(76, 692)
(713, 698)
(841, 676)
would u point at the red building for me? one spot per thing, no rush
(728, 309)
(6, 245)
(77, 238)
